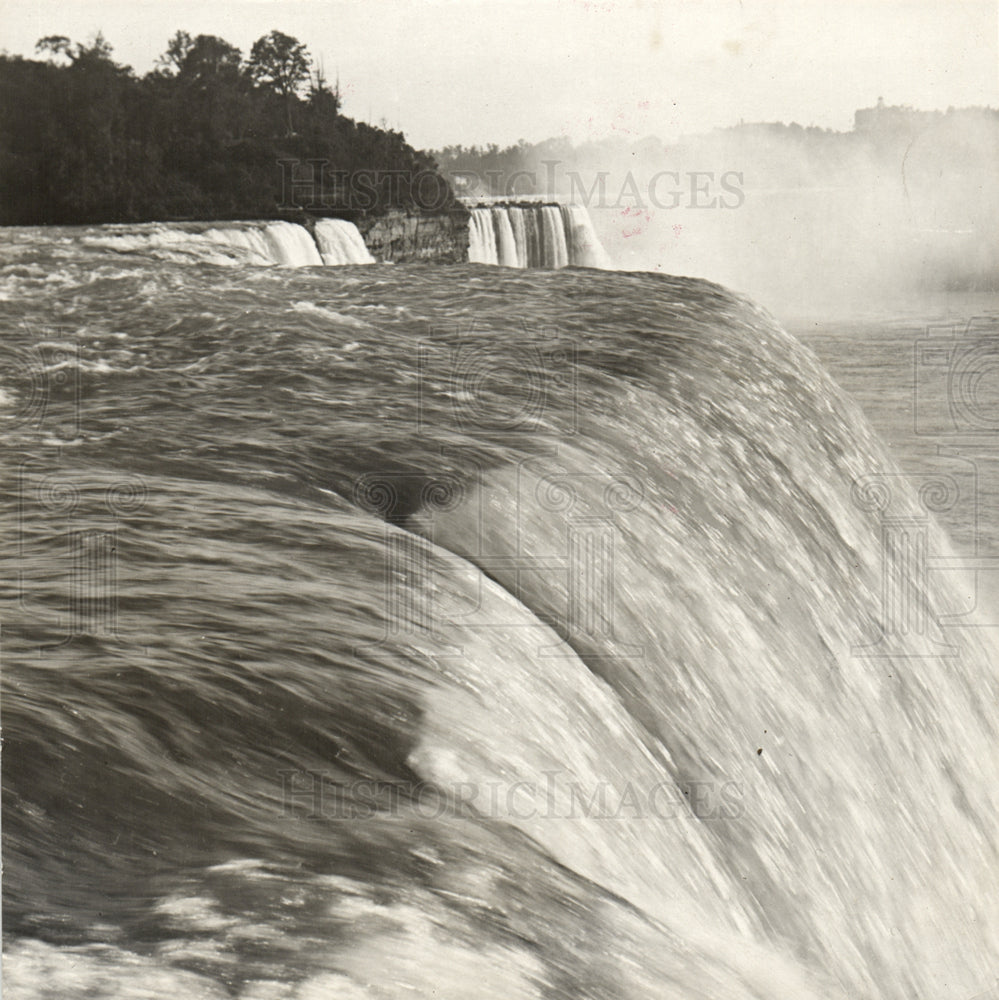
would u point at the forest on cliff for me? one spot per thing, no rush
(208, 134)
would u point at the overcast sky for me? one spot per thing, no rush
(477, 71)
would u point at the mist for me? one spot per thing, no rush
(805, 220)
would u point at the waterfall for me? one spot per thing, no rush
(506, 243)
(585, 248)
(533, 251)
(250, 241)
(291, 245)
(538, 236)
(339, 242)
(547, 236)
(556, 251)
(596, 649)
(482, 238)
(285, 244)
(519, 227)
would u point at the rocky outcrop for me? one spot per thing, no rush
(402, 237)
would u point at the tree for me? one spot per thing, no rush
(89, 109)
(209, 59)
(98, 51)
(177, 49)
(212, 73)
(282, 63)
(324, 102)
(205, 75)
(57, 45)
(84, 140)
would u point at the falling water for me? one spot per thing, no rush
(339, 242)
(285, 244)
(396, 632)
(548, 236)
(505, 241)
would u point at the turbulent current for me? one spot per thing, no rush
(380, 632)
(287, 244)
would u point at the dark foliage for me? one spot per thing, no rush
(85, 140)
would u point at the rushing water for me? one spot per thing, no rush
(405, 631)
(336, 242)
(551, 236)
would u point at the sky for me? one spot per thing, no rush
(479, 71)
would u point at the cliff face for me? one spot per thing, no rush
(403, 237)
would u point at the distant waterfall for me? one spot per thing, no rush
(285, 244)
(339, 242)
(548, 236)
(556, 253)
(250, 242)
(585, 247)
(537, 236)
(519, 227)
(505, 242)
(291, 245)
(482, 237)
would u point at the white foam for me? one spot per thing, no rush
(340, 243)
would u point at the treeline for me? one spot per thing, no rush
(208, 134)
(913, 147)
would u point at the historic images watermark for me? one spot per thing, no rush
(580, 562)
(314, 185)
(320, 795)
(46, 387)
(955, 406)
(67, 576)
(718, 188)
(573, 559)
(67, 524)
(956, 380)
